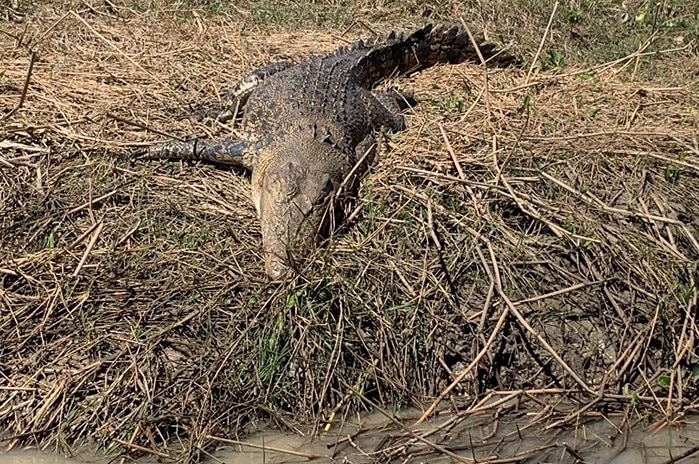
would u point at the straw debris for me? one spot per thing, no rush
(536, 237)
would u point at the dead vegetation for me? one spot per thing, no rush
(532, 236)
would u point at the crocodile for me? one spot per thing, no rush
(311, 129)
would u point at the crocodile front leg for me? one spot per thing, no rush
(228, 152)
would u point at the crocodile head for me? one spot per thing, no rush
(293, 188)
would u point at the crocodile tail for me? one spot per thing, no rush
(423, 48)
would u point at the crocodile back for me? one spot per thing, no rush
(328, 97)
(320, 97)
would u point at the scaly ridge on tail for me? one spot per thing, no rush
(422, 49)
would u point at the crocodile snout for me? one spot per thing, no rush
(276, 269)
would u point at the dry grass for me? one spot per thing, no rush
(527, 237)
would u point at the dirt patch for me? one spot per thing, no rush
(530, 236)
